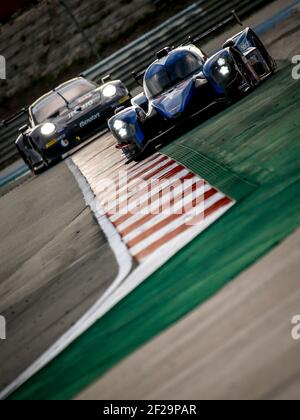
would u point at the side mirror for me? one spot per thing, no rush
(23, 129)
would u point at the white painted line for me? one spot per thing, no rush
(118, 247)
(121, 287)
(124, 261)
(157, 259)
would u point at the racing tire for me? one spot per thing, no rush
(33, 170)
(38, 171)
(264, 52)
(244, 72)
(128, 154)
(30, 166)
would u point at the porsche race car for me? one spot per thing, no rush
(66, 117)
(183, 82)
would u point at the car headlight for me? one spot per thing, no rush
(118, 125)
(121, 128)
(123, 133)
(224, 66)
(48, 129)
(221, 61)
(109, 91)
(224, 70)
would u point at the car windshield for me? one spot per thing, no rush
(179, 66)
(56, 101)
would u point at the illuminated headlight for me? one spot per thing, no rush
(224, 70)
(123, 133)
(109, 91)
(221, 61)
(48, 129)
(121, 128)
(118, 125)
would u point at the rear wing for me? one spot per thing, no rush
(234, 17)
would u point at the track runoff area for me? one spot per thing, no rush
(157, 213)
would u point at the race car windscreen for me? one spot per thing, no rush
(77, 89)
(179, 66)
(55, 102)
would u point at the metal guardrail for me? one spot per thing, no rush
(8, 135)
(196, 21)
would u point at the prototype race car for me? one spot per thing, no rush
(184, 82)
(66, 117)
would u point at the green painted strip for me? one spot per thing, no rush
(13, 176)
(257, 139)
(217, 175)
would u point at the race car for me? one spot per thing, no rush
(183, 82)
(66, 117)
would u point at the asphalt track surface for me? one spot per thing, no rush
(55, 263)
(237, 345)
(35, 285)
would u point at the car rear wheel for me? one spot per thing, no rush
(31, 167)
(246, 80)
(271, 63)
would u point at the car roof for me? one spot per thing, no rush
(61, 86)
(171, 56)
